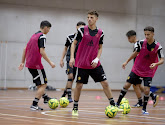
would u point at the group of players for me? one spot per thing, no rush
(83, 50)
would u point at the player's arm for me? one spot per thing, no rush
(63, 55)
(73, 46)
(134, 54)
(95, 61)
(23, 60)
(44, 55)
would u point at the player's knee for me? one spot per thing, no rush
(146, 90)
(79, 86)
(70, 76)
(105, 84)
(127, 86)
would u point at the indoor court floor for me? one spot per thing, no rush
(14, 110)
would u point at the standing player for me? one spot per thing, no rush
(87, 59)
(33, 52)
(145, 65)
(71, 72)
(138, 87)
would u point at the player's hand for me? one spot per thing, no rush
(62, 63)
(71, 62)
(124, 65)
(94, 62)
(153, 65)
(20, 67)
(52, 65)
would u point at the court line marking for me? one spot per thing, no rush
(29, 117)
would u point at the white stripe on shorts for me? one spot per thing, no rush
(41, 76)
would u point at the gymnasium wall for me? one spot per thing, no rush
(19, 19)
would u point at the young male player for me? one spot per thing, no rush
(33, 52)
(87, 59)
(138, 87)
(71, 72)
(145, 65)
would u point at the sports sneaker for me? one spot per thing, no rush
(46, 100)
(70, 100)
(75, 112)
(35, 108)
(137, 105)
(155, 100)
(144, 112)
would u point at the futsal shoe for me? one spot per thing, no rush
(75, 112)
(144, 112)
(137, 105)
(70, 100)
(34, 108)
(46, 100)
(155, 100)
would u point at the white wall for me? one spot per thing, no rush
(19, 19)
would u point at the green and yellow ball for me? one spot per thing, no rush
(126, 108)
(53, 103)
(124, 100)
(64, 102)
(111, 111)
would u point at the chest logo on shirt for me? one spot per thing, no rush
(90, 43)
(152, 49)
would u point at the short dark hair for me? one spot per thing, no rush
(93, 12)
(131, 33)
(149, 28)
(81, 23)
(45, 23)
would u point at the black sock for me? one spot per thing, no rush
(140, 100)
(122, 94)
(111, 101)
(64, 94)
(35, 102)
(45, 96)
(152, 95)
(69, 92)
(146, 97)
(75, 105)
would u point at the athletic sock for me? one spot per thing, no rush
(35, 102)
(152, 95)
(111, 101)
(146, 97)
(45, 96)
(64, 94)
(140, 100)
(122, 94)
(75, 105)
(69, 92)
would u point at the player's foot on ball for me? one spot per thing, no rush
(46, 100)
(144, 112)
(75, 112)
(70, 100)
(155, 100)
(34, 108)
(138, 105)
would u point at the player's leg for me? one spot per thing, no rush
(147, 84)
(132, 79)
(138, 94)
(98, 75)
(39, 78)
(69, 87)
(82, 78)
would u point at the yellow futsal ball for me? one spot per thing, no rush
(53, 103)
(124, 100)
(126, 108)
(64, 102)
(111, 111)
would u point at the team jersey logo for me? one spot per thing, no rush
(128, 77)
(152, 49)
(90, 43)
(45, 79)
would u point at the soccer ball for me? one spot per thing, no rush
(124, 100)
(111, 111)
(53, 103)
(64, 102)
(126, 108)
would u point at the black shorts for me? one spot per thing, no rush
(70, 70)
(39, 76)
(97, 75)
(135, 79)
